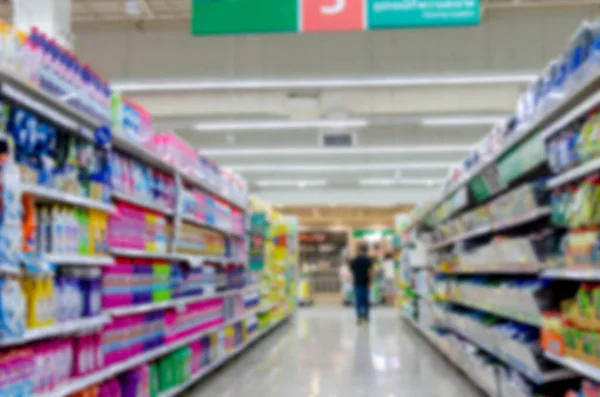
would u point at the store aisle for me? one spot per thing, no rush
(322, 353)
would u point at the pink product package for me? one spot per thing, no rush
(200, 205)
(176, 151)
(195, 318)
(53, 365)
(196, 349)
(129, 336)
(16, 368)
(126, 227)
(116, 339)
(117, 288)
(87, 354)
(110, 388)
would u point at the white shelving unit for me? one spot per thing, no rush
(80, 260)
(142, 203)
(529, 254)
(66, 328)
(115, 369)
(585, 369)
(16, 88)
(47, 194)
(581, 99)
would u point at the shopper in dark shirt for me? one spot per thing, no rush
(362, 270)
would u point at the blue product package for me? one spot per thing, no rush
(144, 276)
(12, 309)
(131, 122)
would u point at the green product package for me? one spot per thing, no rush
(161, 290)
(588, 144)
(588, 343)
(521, 159)
(165, 376)
(479, 188)
(154, 380)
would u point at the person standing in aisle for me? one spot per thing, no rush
(362, 270)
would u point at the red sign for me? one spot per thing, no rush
(332, 15)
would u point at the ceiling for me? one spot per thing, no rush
(102, 11)
(382, 87)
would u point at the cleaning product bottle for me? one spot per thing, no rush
(29, 224)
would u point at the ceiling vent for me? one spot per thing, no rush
(338, 139)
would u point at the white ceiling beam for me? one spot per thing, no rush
(316, 83)
(383, 102)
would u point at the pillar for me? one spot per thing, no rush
(52, 17)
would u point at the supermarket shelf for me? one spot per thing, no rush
(20, 90)
(523, 218)
(80, 260)
(201, 223)
(66, 328)
(574, 174)
(44, 103)
(134, 253)
(193, 260)
(581, 367)
(503, 271)
(572, 274)
(428, 336)
(141, 203)
(211, 367)
(496, 227)
(535, 376)
(142, 154)
(197, 182)
(473, 233)
(9, 270)
(517, 317)
(115, 369)
(50, 194)
(179, 302)
(581, 100)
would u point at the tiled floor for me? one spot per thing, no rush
(322, 353)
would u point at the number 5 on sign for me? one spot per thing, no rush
(332, 15)
(335, 8)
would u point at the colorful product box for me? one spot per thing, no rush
(195, 318)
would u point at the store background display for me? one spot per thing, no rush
(124, 252)
(513, 240)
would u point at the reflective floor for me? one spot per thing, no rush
(322, 353)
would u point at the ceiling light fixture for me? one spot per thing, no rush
(290, 182)
(449, 121)
(249, 125)
(309, 151)
(399, 182)
(342, 82)
(338, 167)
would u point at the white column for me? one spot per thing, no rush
(52, 17)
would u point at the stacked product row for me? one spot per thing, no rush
(515, 236)
(124, 252)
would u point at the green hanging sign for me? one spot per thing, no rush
(216, 17)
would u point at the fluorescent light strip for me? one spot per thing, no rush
(449, 121)
(279, 124)
(344, 82)
(289, 182)
(308, 151)
(338, 167)
(399, 182)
